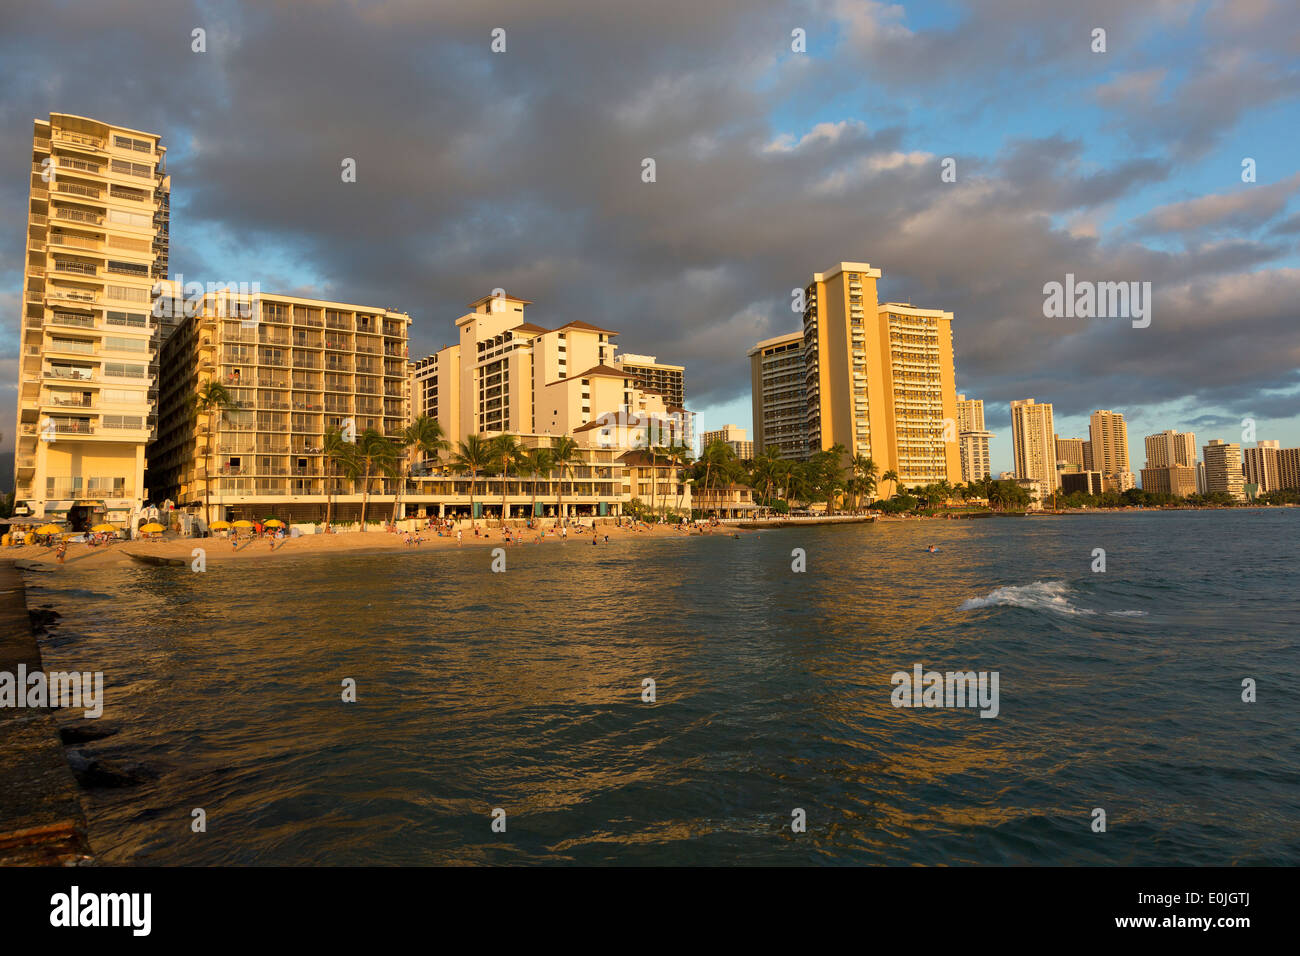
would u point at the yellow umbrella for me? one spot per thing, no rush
(101, 528)
(152, 527)
(273, 523)
(49, 529)
(243, 523)
(219, 525)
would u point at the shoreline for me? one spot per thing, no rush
(219, 551)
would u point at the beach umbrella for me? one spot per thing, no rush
(102, 528)
(49, 529)
(242, 523)
(152, 527)
(219, 525)
(273, 523)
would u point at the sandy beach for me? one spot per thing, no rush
(219, 550)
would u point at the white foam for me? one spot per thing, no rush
(1039, 596)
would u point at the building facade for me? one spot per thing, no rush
(97, 239)
(1108, 439)
(878, 378)
(1177, 480)
(972, 440)
(1170, 447)
(778, 398)
(1223, 471)
(1260, 465)
(734, 437)
(294, 368)
(1033, 442)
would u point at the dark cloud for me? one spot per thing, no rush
(522, 170)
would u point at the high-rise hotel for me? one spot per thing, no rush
(973, 440)
(97, 239)
(294, 368)
(878, 378)
(1033, 443)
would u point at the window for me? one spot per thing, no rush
(138, 145)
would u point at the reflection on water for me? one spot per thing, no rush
(523, 691)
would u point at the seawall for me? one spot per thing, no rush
(41, 820)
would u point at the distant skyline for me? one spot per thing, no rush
(522, 170)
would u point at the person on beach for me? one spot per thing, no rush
(62, 552)
(458, 534)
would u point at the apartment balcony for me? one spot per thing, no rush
(79, 140)
(77, 215)
(70, 295)
(77, 189)
(73, 428)
(70, 375)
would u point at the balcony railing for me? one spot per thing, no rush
(76, 215)
(76, 189)
(79, 139)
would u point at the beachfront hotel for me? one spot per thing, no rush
(972, 440)
(878, 377)
(777, 397)
(505, 374)
(1033, 442)
(97, 238)
(294, 367)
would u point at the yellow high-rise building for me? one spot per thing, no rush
(1108, 436)
(97, 240)
(879, 378)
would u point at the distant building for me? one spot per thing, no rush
(1070, 451)
(1177, 480)
(777, 394)
(878, 377)
(1170, 448)
(972, 439)
(1223, 469)
(1109, 442)
(1260, 466)
(1088, 482)
(1033, 441)
(655, 376)
(736, 438)
(1288, 468)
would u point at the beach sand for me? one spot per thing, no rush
(219, 551)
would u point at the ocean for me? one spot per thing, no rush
(773, 735)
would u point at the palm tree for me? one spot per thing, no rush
(337, 454)
(564, 455)
(376, 454)
(212, 397)
(472, 455)
(425, 436)
(863, 481)
(681, 455)
(891, 476)
(506, 450)
(535, 463)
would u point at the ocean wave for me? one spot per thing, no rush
(1039, 596)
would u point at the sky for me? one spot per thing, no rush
(522, 170)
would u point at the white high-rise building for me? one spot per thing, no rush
(1033, 442)
(96, 242)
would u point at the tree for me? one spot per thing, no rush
(863, 480)
(376, 455)
(339, 456)
(891, 476)
(564, 455)
(828, 475)
(212, 397)
(536, 462)
(681, 455)
(506, 452)
(425, 436)
(472, 455)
